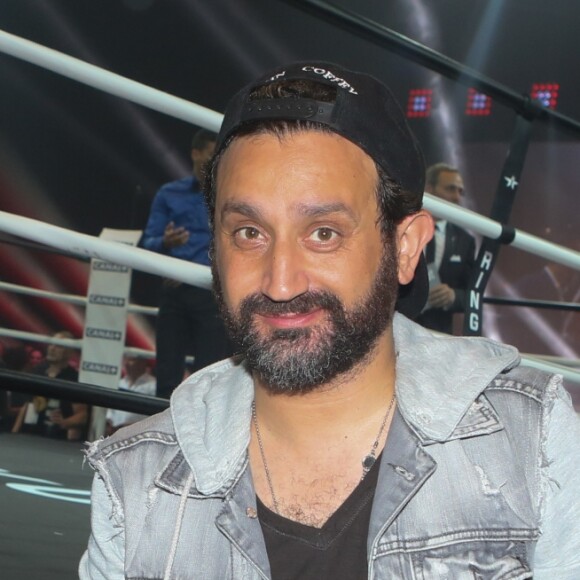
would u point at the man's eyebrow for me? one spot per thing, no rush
(323, 209)
(242, 208)
(302, 209)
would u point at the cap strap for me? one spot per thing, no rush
(288, 108)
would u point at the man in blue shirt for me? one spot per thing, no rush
(188, 320)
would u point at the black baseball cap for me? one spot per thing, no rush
(366, 113)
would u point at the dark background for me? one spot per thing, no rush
(76, 157)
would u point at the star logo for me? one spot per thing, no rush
(510, 181)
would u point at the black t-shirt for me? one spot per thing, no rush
(336, 551)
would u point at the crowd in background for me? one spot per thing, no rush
(39, 415)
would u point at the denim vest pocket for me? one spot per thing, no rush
(463, 555)
(487, 559)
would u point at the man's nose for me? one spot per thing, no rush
(285, 276)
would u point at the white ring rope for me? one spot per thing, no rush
(109, 82)
(70, 298)
(75, 343)
(93, 247)
(566, 362)
(492, 229)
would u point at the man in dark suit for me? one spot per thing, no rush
(450, 255)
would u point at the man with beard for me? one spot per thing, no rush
(345, 441)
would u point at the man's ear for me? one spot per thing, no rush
(413, 234)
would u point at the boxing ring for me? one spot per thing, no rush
(194, 274)
(52, 469)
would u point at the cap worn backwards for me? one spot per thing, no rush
(366, 113)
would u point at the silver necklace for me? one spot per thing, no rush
(265, 463)
(367, 462)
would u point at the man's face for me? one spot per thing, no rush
(135, 366)
(56, 354)
(449, 187)
(305, 282)
(35, 358)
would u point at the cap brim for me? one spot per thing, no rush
(413, 296)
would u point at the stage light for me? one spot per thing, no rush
(478, 104)
(546, 93)
(419, 103)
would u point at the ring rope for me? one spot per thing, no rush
(76, 343)
(487, 227)
(118, 253)
(567, 362)
(109, 82)
(70, 298)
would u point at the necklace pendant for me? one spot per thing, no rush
(368, 462)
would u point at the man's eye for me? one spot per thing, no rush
(247, 233)
(324, 235)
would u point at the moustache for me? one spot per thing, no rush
(260, 304)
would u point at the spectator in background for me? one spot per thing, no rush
(450, 255)
(35, 357)
(188, 320)
(51, 417)
(137, 379)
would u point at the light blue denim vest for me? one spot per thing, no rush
(459, 494)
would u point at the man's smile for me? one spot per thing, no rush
(291, 319)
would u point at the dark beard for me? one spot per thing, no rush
(293, 361)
